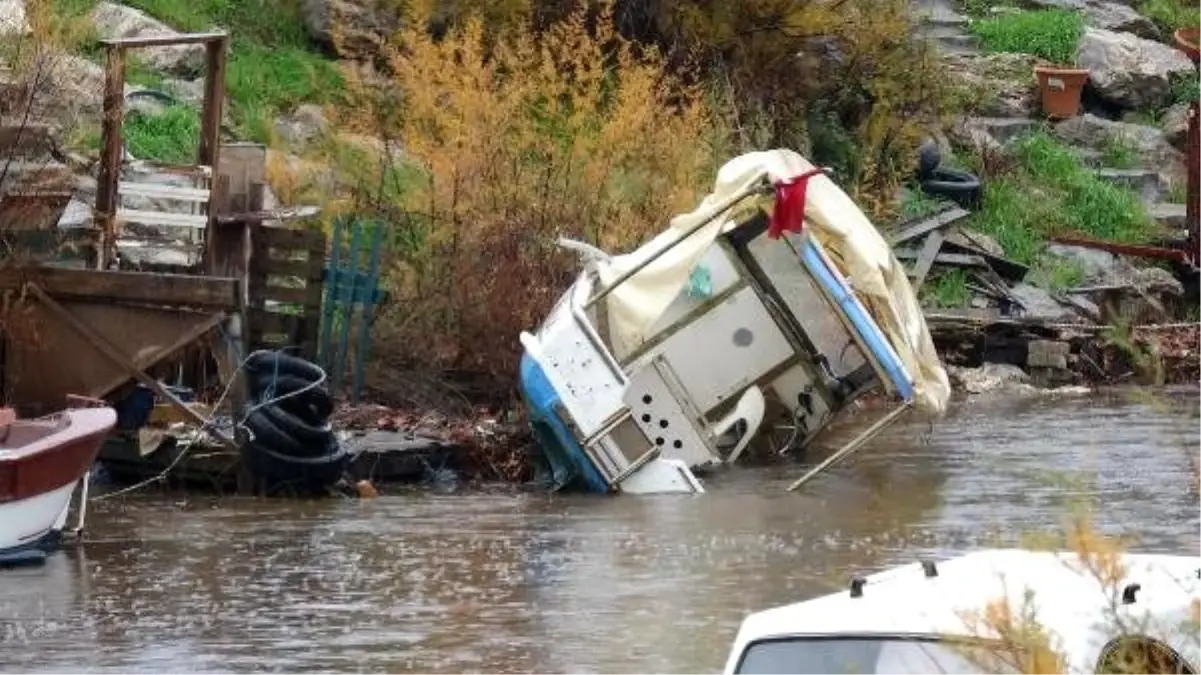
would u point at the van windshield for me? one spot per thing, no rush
(884, 654)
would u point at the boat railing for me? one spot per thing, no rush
(758, 187)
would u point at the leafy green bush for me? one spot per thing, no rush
(1051, 34)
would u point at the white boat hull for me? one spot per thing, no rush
(27, 522)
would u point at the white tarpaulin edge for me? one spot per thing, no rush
(852, 241)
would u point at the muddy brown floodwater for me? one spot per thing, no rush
(505, 582)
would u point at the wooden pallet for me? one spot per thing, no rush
(285, 289)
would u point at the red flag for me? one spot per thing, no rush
(789, 213)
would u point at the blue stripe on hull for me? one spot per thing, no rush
(876, 342)
(567, 460)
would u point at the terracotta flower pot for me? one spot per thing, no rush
(1061, 89)
(1186, 41)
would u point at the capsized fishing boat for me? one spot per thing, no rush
(42, 461)
(775, 300)
(987, 612)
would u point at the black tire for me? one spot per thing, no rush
(303, 409)
(269, 386)
(271, 363)
(299, 429)
(928, 158)
(266, 434)
(960, 187)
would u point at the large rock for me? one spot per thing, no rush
(1129, 71)
(1097, 133)
(1038, 304)
(354, 29)
(1175, 126)
(305, 124)
(1004, 83)
(990, 377)
(12, 18)
(57, 87)
(1114, 16)
(118, 21)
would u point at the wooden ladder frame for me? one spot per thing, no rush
(110, 187)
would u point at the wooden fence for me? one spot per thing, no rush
(285, 289)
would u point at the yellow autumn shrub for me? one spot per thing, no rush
(509, 140)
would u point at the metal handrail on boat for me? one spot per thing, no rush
(578, 310)
(755, 188)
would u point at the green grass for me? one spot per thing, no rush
(1057, 274)
(1048, 34)
(1051, 192)
(1171, 14)
(948, 289)
(1120, 153)
(272, 67)
(171, 136)
(1186, 89)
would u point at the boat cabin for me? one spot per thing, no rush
(934, 617)
(677, 356)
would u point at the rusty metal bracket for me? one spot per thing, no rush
(111, 353)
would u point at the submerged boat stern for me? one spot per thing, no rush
(562, 457)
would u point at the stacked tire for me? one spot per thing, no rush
(944, 182)
(290, 444)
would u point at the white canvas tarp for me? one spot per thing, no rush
(830, 215)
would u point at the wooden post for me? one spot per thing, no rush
(111, 154)
(210, 118)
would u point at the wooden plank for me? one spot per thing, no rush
(275, 323)
(287, 213)
(112, 354)
(286, 295)
(925, 259)
(162, 218)
(166, 40)
(952, 259)
(161, 191)
(287, 268)
(293, 238)
(186, 170)
(144, 362)
(133, 287)
(918, 229)
(1009, 270)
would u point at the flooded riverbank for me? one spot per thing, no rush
(499, 581)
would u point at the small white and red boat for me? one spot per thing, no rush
(42, 461)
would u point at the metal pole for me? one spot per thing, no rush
(604, 292)
(853, 445)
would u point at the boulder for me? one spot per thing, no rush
(1004, 83)
(118, 21)
(1114, 16)
(1175, 126)
(1038, 304)
(1096, 133)
(1129, 71)
(989, 377)
(305, 124)
(353, 29)
(12, 18)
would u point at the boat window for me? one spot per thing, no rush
(885, 654)
(1140, 654)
